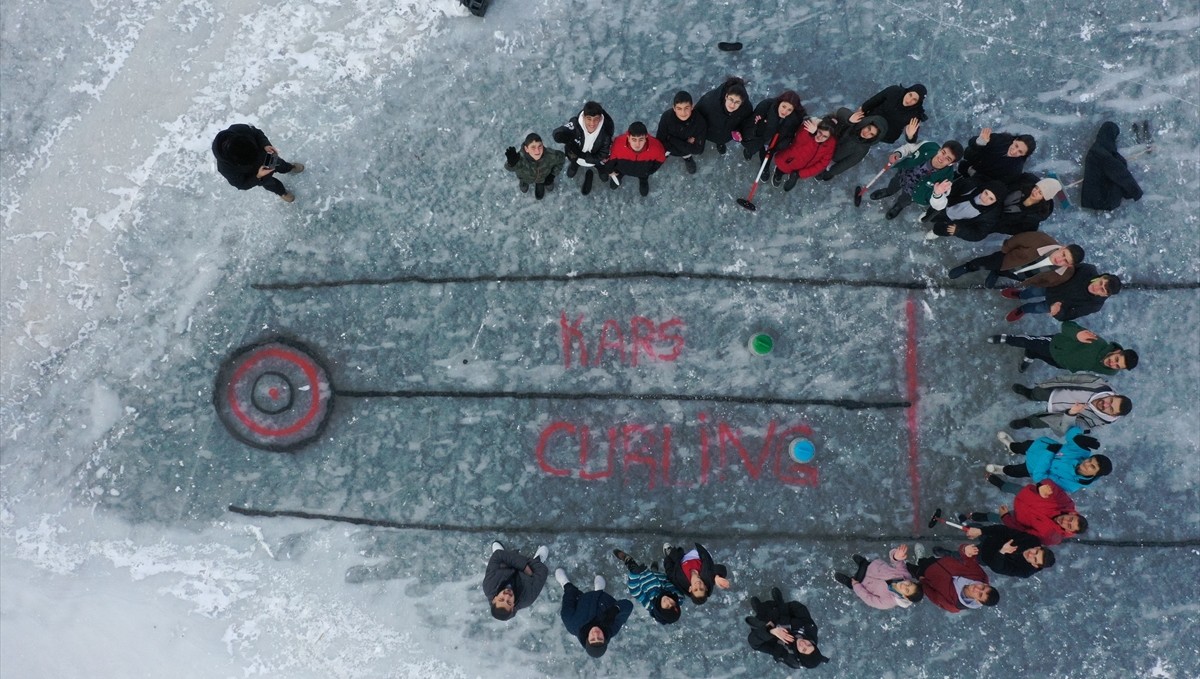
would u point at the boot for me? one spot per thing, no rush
(549, 182)
(894, 211)
(959, 271)
(690, 165)
(1021, 390)
(777, 177)
(297, 168)
(539, 191)
(843, 580)
(1010, 293)
(572, 170)
(1005, 440)
(598, 583)
(288, 197)
(721, 149)
(524, 187)
(644, 186)
(791, 181)
(587, 183)
(1015, 315)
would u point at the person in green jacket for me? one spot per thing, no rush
(535, 164)
(1075, 348)
(924, 173)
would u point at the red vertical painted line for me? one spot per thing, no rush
(910, 373)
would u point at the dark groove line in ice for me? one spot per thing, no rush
(627, 532)
(660, 275)
(848, 404)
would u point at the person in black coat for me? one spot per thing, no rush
(1008, 551)
(694, 573)
(246, 158)
(1027, 205)
(593, 618)
(785, 631)
(726, 110)
(587, 140)
(780, 115)
(854, 140)
(513, 581)
(996, 156)
(1106, 177)
(681, 130)
(898, 105)
(972, 210)
(1082, 294)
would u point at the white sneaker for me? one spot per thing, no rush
(561, 576)
(541, 553)
(919, 551)
(929, 235)
(496, 546)
(599, 583)
(666, 548)
(995, 469)
(1005, 439)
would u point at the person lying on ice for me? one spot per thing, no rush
(1071, 464)
(652, 589)
(1043, 510)
(1077, 400)
(1008, 551)
(512, 581)
(593, 618)
(785, 631)
(955, 583)
(694, 573)
(883, 583)
(1074, 348)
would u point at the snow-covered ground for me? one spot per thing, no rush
(130, 269)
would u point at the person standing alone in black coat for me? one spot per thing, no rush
(1106, 177)
(246, 158)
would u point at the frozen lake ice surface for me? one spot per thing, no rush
(571, 372)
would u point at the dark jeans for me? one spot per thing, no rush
(903, 200)
(272, 184)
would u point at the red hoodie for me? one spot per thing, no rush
(805, 156)
(1035, 514)
(625, 161)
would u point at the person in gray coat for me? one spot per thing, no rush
(512, 581)
(1073, 400)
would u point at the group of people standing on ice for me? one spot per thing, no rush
(969, 192)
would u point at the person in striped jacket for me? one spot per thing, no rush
(652, 589)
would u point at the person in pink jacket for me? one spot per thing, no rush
(1043, 510)
(884, 583)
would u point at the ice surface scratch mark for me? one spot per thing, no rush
(911, 384)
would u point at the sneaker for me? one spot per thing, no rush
(963, 518)
(878, 193)
(791, 181)
(843, 580)
(859, 560)
(539, 191)
(1025, 363)
(1010, 293)
(644, 186)
(666, 548)
(690, 165)
(994, 468)
(497, 546)
(747, 152)
(587, 183)
(561, 576)
(572, 170)
(1015, 315)
(599, 583)
(614, 182)
(777, 178)
(1005, 440)
(541, 553)
(297, 168)
(288, 197)
(549, 182)
(894, 211)
(524, 187)
(942, 551)
(621, 556)
(1022, 390)
(958, 271)
(998, 339)
(928, 216)
(721, 149)
(919, 551)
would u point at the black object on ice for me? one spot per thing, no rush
(729, 46)
(937, 514)
(476, 7)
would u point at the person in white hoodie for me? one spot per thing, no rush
(587, 140)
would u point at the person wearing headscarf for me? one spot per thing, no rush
(785, 631)
(898, 105)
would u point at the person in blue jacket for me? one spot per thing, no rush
(1070, 464)
(593, 618)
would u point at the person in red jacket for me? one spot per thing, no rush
(1043, 510)
(808, 155)
(957, 582)
(635, 154)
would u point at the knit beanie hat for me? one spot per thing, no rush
(1105, 465)
(1050, 187)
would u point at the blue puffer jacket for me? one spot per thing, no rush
(1044, 463)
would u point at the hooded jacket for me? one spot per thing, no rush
(625, 161)
(533, 171)
(1106, 177)
(581, 612)
(991, 160)
(241, 169)
(571, 135)
(1014, 565)
(852, 148)
(1048, 459)
(719, 123)
(805, 156)
(889, 103)
(766, 123)
(1071, 354)
(507, 567)
(1034, 514)
(874, 590)
(1022, 250)
(1015, 217)
(938, 580)
(1086, 420)
(792, 616)
(977, 227)
(709, 570)
(1077, 301)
